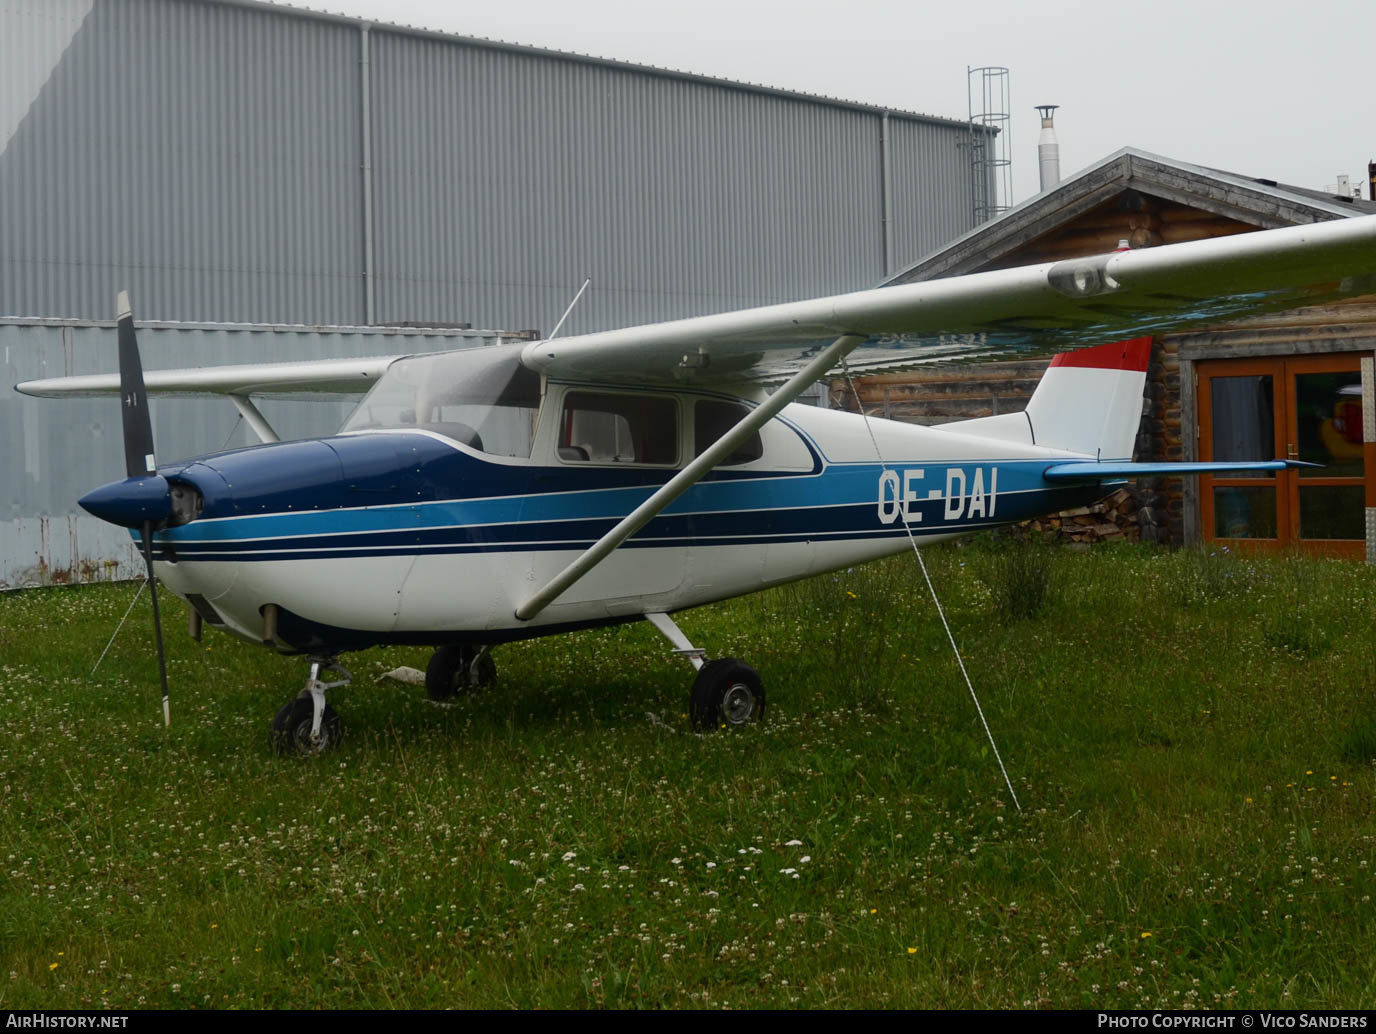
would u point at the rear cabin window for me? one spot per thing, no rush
(600, 428)
(711, 420)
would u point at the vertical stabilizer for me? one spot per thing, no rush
(1090, 401)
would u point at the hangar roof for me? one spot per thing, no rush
(284, 7)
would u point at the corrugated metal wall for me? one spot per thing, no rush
(935, 165)
(52, 452)
(204, 156)
(210, 157)
(675, 197)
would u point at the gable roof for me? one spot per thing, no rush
(1262, 203)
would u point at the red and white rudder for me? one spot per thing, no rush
(1089, 402)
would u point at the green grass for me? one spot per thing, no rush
(1191, 736)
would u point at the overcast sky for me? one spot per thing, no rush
(1265, 88)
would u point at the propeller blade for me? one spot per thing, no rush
(138, 426)
(147, 534)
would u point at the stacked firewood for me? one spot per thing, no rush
(1113, 519)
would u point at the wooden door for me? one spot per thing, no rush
(1298, 407)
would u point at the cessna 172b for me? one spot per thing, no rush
(482, 496)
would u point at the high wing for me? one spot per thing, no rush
(324, 376)
(1029, 310)
(1032, 309)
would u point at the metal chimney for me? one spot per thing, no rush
(1048, 150)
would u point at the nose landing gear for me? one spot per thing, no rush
(308, 726)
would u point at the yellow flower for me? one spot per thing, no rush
(52, 966)
(1146, 934)
(912, 951)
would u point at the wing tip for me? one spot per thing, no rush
(123, 310)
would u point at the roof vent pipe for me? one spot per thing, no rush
(1048, 149)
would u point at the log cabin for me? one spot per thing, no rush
(1299, 384)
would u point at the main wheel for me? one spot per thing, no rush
(291, 729)
(452, 671)
(726, 692)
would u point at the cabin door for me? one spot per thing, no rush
(1298, 407)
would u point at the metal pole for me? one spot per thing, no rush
(887, 187)
(369, 301)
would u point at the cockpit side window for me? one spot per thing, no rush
(607, 428)
(712, 419)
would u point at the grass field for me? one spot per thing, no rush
(1191, 736)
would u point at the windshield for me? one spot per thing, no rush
(482, 397)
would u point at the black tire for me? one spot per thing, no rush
(727, 693)
(450, 671)
(291, 729)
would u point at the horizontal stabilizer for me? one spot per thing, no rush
(1108, 471)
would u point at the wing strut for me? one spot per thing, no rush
(253, 416)
(689, 475)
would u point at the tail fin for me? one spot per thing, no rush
(1088, 401)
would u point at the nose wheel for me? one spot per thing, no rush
(307, 726)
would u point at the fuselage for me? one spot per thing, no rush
(426, 536)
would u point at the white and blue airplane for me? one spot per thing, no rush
(488, 495)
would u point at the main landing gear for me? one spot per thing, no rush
(308, 726)
(727, 692)
(456, 669)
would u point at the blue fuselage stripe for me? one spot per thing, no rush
(839, 501)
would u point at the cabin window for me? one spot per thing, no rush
(599, 428)
(713, 419)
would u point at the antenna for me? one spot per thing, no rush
(555, 332)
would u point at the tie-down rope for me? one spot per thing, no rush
(845, 369)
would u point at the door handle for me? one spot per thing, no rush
(1290, 452)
